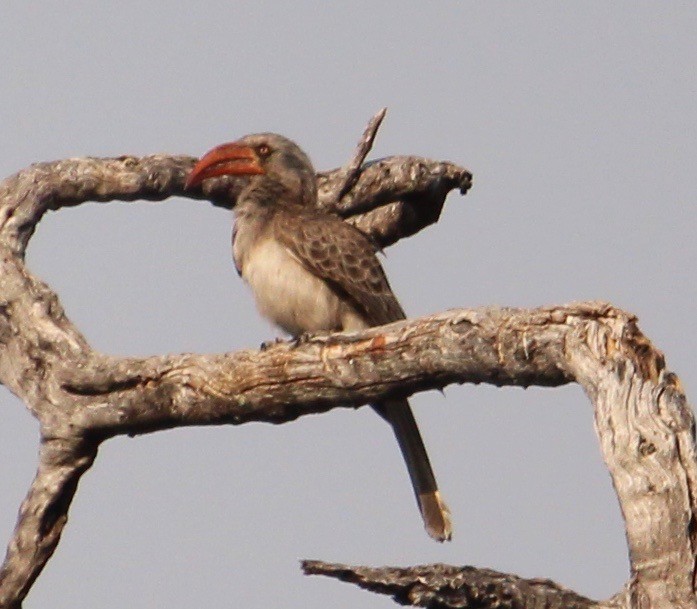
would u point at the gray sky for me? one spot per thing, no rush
(579, 122)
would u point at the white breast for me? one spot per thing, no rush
(291, 296)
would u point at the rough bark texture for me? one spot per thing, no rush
(81, 397)
(447, 586)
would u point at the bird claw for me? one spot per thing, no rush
(294, 342)
(303, 338)
(267, 344)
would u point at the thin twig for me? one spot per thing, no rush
(353, 169)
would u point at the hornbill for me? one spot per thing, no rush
(312, 272)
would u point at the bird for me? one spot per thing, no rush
(312, 272)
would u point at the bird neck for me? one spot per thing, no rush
(269, 194)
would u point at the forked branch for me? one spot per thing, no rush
(42, 352)
(81, 397)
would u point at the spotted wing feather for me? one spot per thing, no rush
(344, 257)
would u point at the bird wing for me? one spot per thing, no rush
(344, 257)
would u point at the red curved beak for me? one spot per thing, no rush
(227, 159)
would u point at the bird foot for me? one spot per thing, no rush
(303, 338)
(267, 344)
(294, 342)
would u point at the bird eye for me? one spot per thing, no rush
(263, 150)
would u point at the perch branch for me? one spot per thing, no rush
(596, 345)
(285, 381)
(650, 454)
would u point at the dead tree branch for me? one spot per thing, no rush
(82, 397)
(43, 514)
(461, 587)
(75, 392)
(402, 181)
(353, 168)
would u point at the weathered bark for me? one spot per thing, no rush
(82, 397)
(446, 586)
(411, 182)
(43, 514)
(647, 437)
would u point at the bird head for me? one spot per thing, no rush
(269, 159)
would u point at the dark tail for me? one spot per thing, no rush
(434, 512)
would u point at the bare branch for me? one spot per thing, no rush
(40, 346)
(42, 516)
(600, 347)
(27, 195)
(80, 397)
(457, 587)
(339, 370)
(398, 177)
(353, 169)
(650, 455)
(389, 223)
